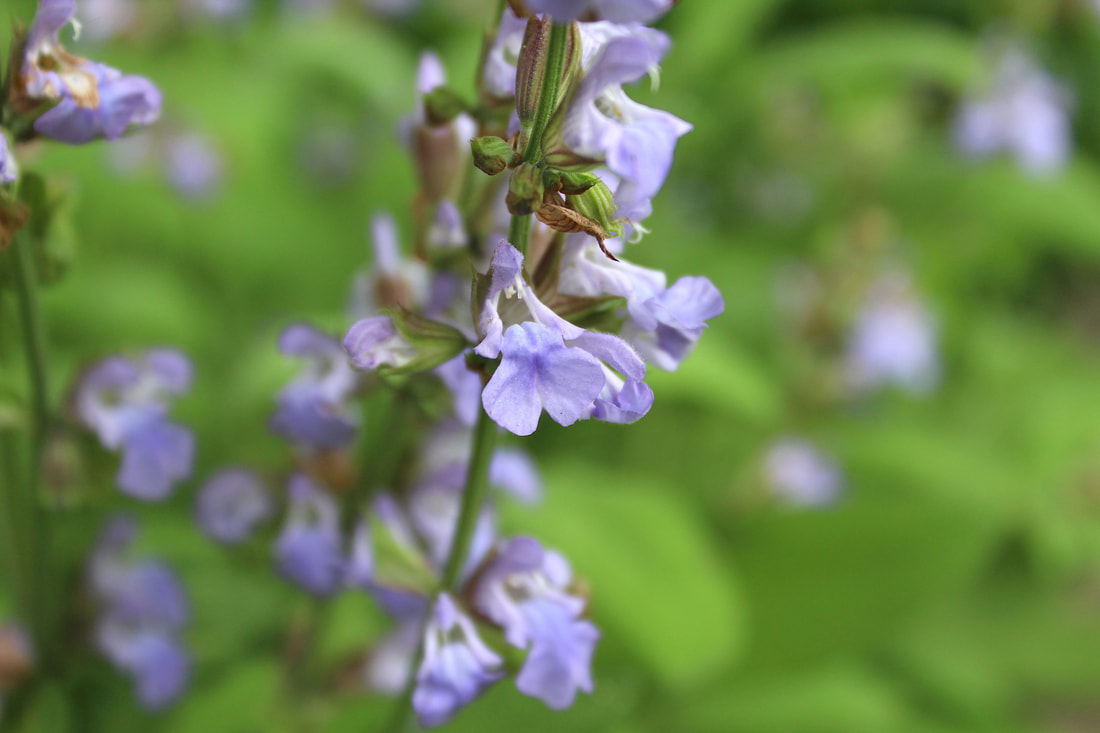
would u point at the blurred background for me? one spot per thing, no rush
(870, 501)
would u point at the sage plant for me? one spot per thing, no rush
(512, 297)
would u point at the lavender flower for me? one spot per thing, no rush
(665, 323)
(231, 504)
(801, 475)
(619, 11)
(456, 668)
(374, 342)
(308, 552)
(390, 663)
(1025, 113)
(104, 19)
(893, 340)
(499, 77)
(523, 589)
(9, 171)
(124, 402)
(89, 100)
(312, 410)
(193, 166)
(142, 609)
(392, 280)
(599, 125)
(549, 363)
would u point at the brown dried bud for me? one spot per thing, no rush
(563, 219)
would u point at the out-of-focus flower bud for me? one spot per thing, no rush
(491, 154)
(437, 160)
(442, 105)
(402, 342)
(525, 190)
(16, 656)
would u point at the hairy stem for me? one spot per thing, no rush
(551, 84)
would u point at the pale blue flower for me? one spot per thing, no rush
(125, 402)
(457, 665)
(523, 588)
(313, 409)
(90, 100)
(619, 11)
(232, 503)
(308, 551)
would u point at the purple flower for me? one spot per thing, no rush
(159, 665)
(124, 402)
(499, 77)
(669, 324)
(619, 11)
(193, 165)
(374, 342)
(447, 230)
(893, 340)
(391, 659)
(312, 410)
(1025, 113)
(405, 603)
(456, 668)
(800, 474)
(392, 280)
(308, 551)
(523, 589)
(90, 100)
(142, 608)
(548, 363)
(599, 124)
(231, 504)
(9, 171)
(103, 19)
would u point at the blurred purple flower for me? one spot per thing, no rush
(142, 607)
(90, 100)
(457, 666)
(231, 504)
(125, 402)
(499, 76)
(523, 589)
(1025, 113)
(104, 19)
(308, 551)
(893, 341)
(800, 474)
(312, 410)
(194, 167)
(9, 171)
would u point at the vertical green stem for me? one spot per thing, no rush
(473, 497)
(519, 233)
(35, 563)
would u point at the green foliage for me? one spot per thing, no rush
(953, 587)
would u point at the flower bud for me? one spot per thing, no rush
(16, 656)
(598, 204)
(531, 67)
(437, 159)
(442, 105)
(491, 154)
(570, 183)
(525, 190)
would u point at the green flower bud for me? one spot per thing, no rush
(491, 154)
(598, 204)
(442, 105)
(525, 190)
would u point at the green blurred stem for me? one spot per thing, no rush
(519, 233)
(22, 498)
(548, 99)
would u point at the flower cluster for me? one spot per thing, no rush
(566, 327)
(142, 609)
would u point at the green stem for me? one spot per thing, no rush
(548, 97)
(37, 528)
(473, 497)
(519, 233)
